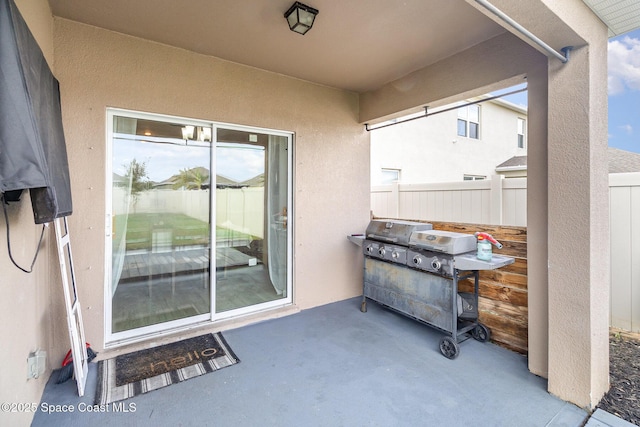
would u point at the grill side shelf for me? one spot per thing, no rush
(470, 262)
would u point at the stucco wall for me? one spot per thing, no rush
(99, 69)
(499, 62)
(24, 306)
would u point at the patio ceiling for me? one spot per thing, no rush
(356, 45)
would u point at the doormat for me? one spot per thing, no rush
(135, 373)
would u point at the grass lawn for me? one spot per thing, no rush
(185, 230)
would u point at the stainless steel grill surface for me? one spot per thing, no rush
(443, 241)
(413, 269)
(394, 231)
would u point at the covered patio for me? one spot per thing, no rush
(333, 365)
(315, 358)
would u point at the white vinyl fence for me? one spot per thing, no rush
(504, 202)
(239, 209)
(624, 205)
(496, 201)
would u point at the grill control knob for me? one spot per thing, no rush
(369, 249)
(417, 260)
(395, 255)
(381, 251)
(436, 264)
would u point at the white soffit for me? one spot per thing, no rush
(621, 16)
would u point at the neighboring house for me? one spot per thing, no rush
(235, 68)
(461, 144)
(620, 161)
(515, 167)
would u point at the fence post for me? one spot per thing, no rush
(496, 199)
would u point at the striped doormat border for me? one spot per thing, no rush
(108, 390)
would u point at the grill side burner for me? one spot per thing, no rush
(415, 270)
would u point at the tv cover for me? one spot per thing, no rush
(32, 146)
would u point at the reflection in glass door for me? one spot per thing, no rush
(160, 222)
(171, 180)
(251, 218)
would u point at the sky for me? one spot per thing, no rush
(238, 162)
(624, 92)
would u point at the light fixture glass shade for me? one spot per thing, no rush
(187, 132)
(204, 134)
(300, 17)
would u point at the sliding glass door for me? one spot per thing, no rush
(251, 218)
(189, 198)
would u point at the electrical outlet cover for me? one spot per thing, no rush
(36, 363)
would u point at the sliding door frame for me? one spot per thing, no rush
(115, 339)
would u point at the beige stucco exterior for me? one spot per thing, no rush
(581, 223)
(97, 69)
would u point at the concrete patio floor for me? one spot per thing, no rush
(336, 366)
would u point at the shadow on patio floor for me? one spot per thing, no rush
(334, 365)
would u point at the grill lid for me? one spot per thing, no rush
(394, 231)
(443, 241)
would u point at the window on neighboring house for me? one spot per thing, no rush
(474, 177)
(389, 176)
(521, 128)
(469, 121)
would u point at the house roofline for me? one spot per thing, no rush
(511, 168)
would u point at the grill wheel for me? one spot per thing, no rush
(481, 333)
(449, 348)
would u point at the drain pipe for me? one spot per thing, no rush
(528, 34)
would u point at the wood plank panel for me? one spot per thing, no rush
(519, 267)
(502, 324)
(500, 232)
(517, 313)
(497, 292)
(511, 342)
(506, 278)
(503, 293)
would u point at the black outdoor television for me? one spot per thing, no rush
(33, 153)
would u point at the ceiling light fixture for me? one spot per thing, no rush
(300, 17)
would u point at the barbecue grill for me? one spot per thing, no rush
(415, 270)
